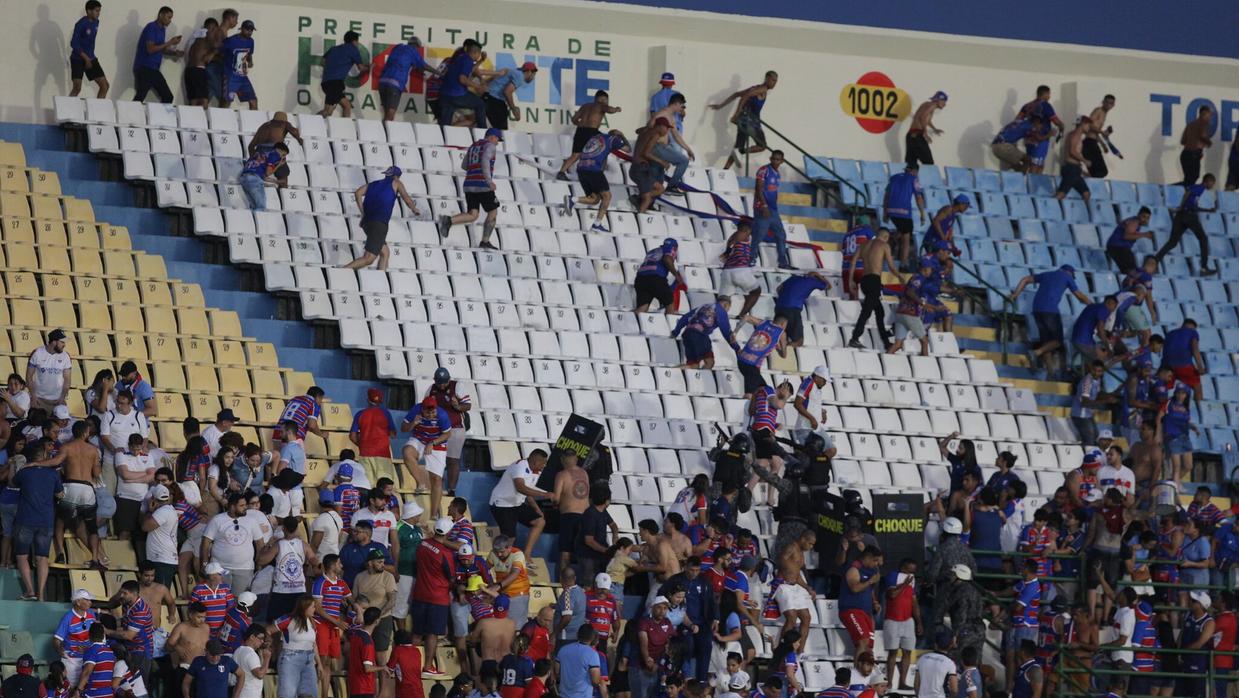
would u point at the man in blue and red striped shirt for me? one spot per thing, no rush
(766, 209)
(479, 188)
(237, 622)
(306, 410)
(697, 327)
(601, 611)
(137, 628)
(737, 276)
(215, 595)
(97, 662)
(764, 411)
(768, 336)
(331, 593)
(72, 636)
(463, 532)
(429, 427)
(457, 403)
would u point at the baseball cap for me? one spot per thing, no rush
(939, 95)
(529, 66)
(465, 549)
(345, 470)
(55, 335)
(1093, 456)
(602, 580)
(475, 583)
(430, 402)
(25, 664)
(248, 24)
(953, 525)
(393, 171)
(962, 199)
(225, 415)
(411, 509)
(502, 602)
(660, 599)
(963, 572)
(374, 395)
(494, 132)
(161, 493)
(376, 554)
(739, 679)
(823, 372)
(247, 598)
(82, 595)
(877, 678)
(326, 498)
(670, 243)
(667, 79)
(60, 412)
(1068, 268)
(443, 525)
(662, 121)
(1201, 597)
(213, 568)
(1105, 434)
(442, 375)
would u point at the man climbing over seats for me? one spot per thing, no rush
(450, 395)
(870, 259)
(1089, 336)
(202, 52)
(790, 299)
(429, 428)
(1074, 163)
(238, 52)
(258, 170)
(1095, 140)
(1005, 145)
(941, 233)
(768, 336)
(479, 187)
(856, 238)
(765, 406)
(1194, 140)
(591, 164)
(1039, 147)
(648, 169)
(747, 118)
(460, 81)
(376, 200)
(401, 61)
(737, 275)
(500, 97)
(902, 189)
(916, 143)
(671, 145)
(587, 120)
(338, 62)
(82, 59)
(305, 411)
(912, 306)
(1187, 217)
(1182, 355)
(1051, 285)
(651, 282)
(698, 325)
(1124, 237)
(277, 130)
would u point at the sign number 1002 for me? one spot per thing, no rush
(873, 101)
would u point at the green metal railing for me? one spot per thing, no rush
(861, 195)
(1064, 687)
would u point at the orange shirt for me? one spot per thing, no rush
(500, 569)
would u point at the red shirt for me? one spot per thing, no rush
(534, 688)
(1224, 627)
(899, 606)
(539, 642)
(360, 653)
(436, 566)
(717, 579)
(374, 426)
(658, 634)
(406, 661)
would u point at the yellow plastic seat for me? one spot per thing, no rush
(86, 261)
(26, 338)
(83, 234)
(51, 232)
(14, 179)
(241, 406)
(298, 382)
(45, 182)
(485, 536)
(128, 319)
(448, 661)
(114, 578)
(193, 321)
(58, 313)
(202, 377)
(187, 295)
(224, 323)
(171, 405)
(539, 597)
(18, 230)
(58, 286)
(194, 350)
(159, 318)
(94, 344)
(163, 348)
(168, 376)
(204, 406)
(21, 255)
(233, 379)
(119, 263)
(539, 575)
(88, 288)
(171, 436)
(250, 434)
(315, 469)
(267, 381)
(131, 345)
(337, 415)
(123, 290)
(46, 207)
(315, 447)
(261, 355)
(90, 580)
(268, 410)
(54, 258)
(228, 352)
(115, 237)
(155, 293)
(12, 154)
(95, 316)
(90, 367)
(150, 266)
(75, 402)
(14, 204)
(338, 441)
(79, 210)
(21, 283)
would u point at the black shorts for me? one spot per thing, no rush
(1123, 258)
(428, 618)
(508, 517)
(651, 288)
(78, 68)
(333, 91)
(197, 83)
(569, 529)
(753, 380)
(903, 226)
(581, 136)
(1072, 178)
(128, 513)
(1049, 327)
(764, 445)
(484, 200)
(646, 175)
(593, 182)
(71, 513)
(389, 97)
(376, 236)
(749, 127)
(795, 323)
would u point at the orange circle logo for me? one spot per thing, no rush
(875, 102)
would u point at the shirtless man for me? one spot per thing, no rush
(217, 70)
(874, 255)
(794, 595)
(673, 532)
(916, 143)
(188, 639)
(1146, 458)
(274, 131)
(571, 495)
(1194, 140)
(493, 636)
(647, 167)
(1094, 142)
(152, 592)
(1074, 162)
(82, 469)
(657, 556)
(587, 120)
(201, 52)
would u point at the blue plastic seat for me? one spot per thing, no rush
(935, 198)
(1162, 287)
(1212, 223)
(986, 180)
(982, 250)
(991, 274)
(1229, 272)
(1169, 312)
(1075, 210)
(1185, 288)
(1176, 265)
(1231, 221)
(1210, 338)
(993, 204)
(1021, 206)
(1031, 230)
(848, 170)
(1223, 315)
(1160, 218)
(1228, 201)
(928, 174)
(1037, 254)
(877, 193)
(1058, 233)
(1103, 284)
(1017, 183)
(972, 226)
(1173, 194)
(1048, 209)
(1042, 185)
(872, 171)
(960, 178)
(1009, 252)
(1199, 312)
(1123, 191)
(1000, 228)
(1149, 194)
(1066, 254)
(1085, 235)
(1220, 247)
(1093, 258)
(1099, 188)
(1230, 338)
(1102, 212)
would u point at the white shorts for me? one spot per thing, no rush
(456, 443)
(73, 669)
(297, 497)
(193, 540)
(737, 281)
(792, 597)
(404, 588)
(899, 634)
(434, 459)
(79, 494)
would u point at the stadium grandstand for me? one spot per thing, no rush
(461, 351)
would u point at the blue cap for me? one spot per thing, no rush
(326, 497)
(962, 199)
(442, 375)
(494, 132)
(667, 79)
(1068, 268)
(939, 95)
(670, 244)
(345, 470)
(393, 171)
(502, 602)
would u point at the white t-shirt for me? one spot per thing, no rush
(259, 523)
(92, 395)
(133, 464)
(161, 543)
(297, 639)
(1121, 478)
(360, 479)
(49, 373)
(22, 400)
(212, 434)
(331, 524)
(289, 567)
(384, 523)
(248, 660)
(281, 503)
(505, 493)
(232, 542)
(933, 669)
(117, 427)
(1124, 626)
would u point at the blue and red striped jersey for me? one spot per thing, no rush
(74, 631)
(139, 617)
(464, 532)
(217, 602)
(100, 655)
(331, 592)
(232, 632)
(739, 254)
(600, 612)
(188, 517)
(765, 414)
(300, 410)
(428, 429)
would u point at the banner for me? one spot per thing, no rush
(580, 436)
(899, 526)
(829, 510)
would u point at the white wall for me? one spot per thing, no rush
(711, 55)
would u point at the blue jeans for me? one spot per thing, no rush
(678, 159)
(773, 224)
(449, 105)
(298, 674)
(254, 190)
(640, 682)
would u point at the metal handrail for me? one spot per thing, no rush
(862, 194)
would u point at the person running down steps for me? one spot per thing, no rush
(479, 164)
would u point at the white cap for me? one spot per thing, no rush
(213, 568)
(443, 525)
(247, 599)
(953, 526)
(1143, 590)
(411, 509)
(1105, 434)
(465, 549)
(658, 600)
(878, 677)
(963, 572)
(822, 372)
(739, 679)
(1094, 495)
(82, 595)
(1201, 597)
(161, 493)
(602, 580)
(60, 412)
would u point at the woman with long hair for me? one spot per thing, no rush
(13, 461)
(190, 520)
(785, 662)
(101, 395)
(298, 663)
(191, 468)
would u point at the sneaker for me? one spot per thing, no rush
(566, 207)
(433, 673)
(788, 267)
(855, 344)
(562, 176)
(1033, 362)
(599, 228)
(674, 190)
(445, 225)
(1208, 272)
(634, 200)
(486, 245)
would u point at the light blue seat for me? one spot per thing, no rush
(1009, 252)
(872, 171)
(1075, 210)
(1042, 185)
(986, 180)
(1037, 254)
(1017, 274)
(1210, 337)
(1048, 208)
(1066, 254)
(1175, 265)
(1169, 312)
(982, 250)
(1058, 233)
(1230, 338)
(928, 174)
(1220, 246)
(1232, 222)
(999, 228)
(1093, 258)
(972, 226)
(993, 204)
(1212, 223)
(1223, 315)
(1223, 440)
(1212, 414)
(960, 178)
(1229, 271)
(1228, 201)
(1017, 183)
(991, 274)
(1123, 192)
(1103, 284)
(1173, 194)
(1185, 288)
(848, 170)
(1160, 218)
(1021, 206)
(1085, 235)
(877, 193)
(1149, 194)
(1162, 287)
(1200, 312)
(935, 198)
(1098, 188)
(1031, 230)
(814, 171)
(1101, 212)
(1219, 364)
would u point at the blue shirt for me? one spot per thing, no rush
(1083, 331)
(400, 61)
(339, 61)
(83, 41)
(987, 535)
(353, 557)
(705, 319)
(1227, 543)
(900, 192)
(294, 453)
(461, 64)
(655, 263)
(235, 49)
(153, 33)
(514, 77)
(659, 101)
(1178, 350)
(1087, 388)
(575, 661)
(37, 488)
(795, 291)
(765, 339)
(1118, 238)
(769, 195)
(211, 680)
(1051, 285)
(594, 154)
(1191, 202)
(142, 391)
(1013, 132)
(1195, 550)
(379, 201)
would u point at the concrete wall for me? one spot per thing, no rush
(583, 46)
